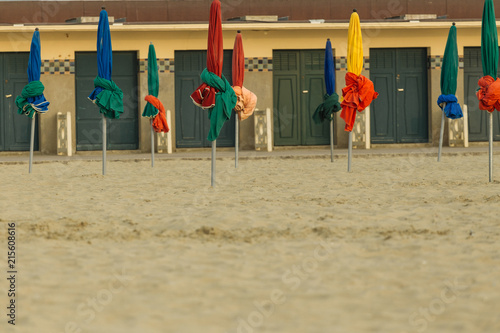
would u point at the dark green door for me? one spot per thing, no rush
(191, 122)
(298, 88)
(123, 133)
(15, 129)
(473, 71)
(400, 113)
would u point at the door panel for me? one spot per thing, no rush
(413, 111)
(400, 113)
(298, 89)
(285, 112)
(382, 119)
(123, 133)
(15, 129)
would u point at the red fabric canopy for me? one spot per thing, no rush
(204, 96)
(358, 94)
(489, 93)
(160, 121)
(238, 62)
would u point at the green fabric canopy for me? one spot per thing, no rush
(110, 99)
(225, 101)
(325, 111)
(153, 83)
(489, 40)
(32, 89)
(449, 70)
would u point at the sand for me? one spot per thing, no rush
(401, 244)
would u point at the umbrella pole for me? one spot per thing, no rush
(32, 140)
(103, 144)
(491, 144)
(214, 145)
(331, 139)
(441, 135)
(152, 145)
(236, 140)
(349, 156)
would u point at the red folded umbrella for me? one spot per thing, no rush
(238, 61)
(358, 93)
(204, 96)
(247, 100)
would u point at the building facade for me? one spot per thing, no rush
(283, 67)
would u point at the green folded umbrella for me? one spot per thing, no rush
(153, 82)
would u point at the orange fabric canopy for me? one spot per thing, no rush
(489, 93)
(247, 101)
(160, 121)
(358, 94)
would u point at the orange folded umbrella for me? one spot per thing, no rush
(160, 121)
(489, 93)
(358, 93)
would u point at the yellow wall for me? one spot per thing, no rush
(60, 42)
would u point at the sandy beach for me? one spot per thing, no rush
(402, 244)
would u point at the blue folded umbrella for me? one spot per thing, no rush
(452, 109)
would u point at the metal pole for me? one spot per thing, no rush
(349, 156)
(441, 135)
(32, 140)
(214, 147)
(236, 139)
(491, 144)
(331, 139)
(103, 144)
(152, 145)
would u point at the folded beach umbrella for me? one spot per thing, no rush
(359, 90)
(215, 93)
(154, 109)
(489, 85)
(325, 111)
(447, 101)
(106, 94)
(32, 101)
(246, 100)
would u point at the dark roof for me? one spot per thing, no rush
(136, 11)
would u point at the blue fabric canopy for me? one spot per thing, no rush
(329, 69)
(32, 99)
(104, 52)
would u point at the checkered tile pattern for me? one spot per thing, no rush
(436, 62)
(165, 65)
(263, 64)
(58, 66)
(341, 63)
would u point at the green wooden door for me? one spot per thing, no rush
(400, 113)
(191, 122)
(15, 129)
(298, 89)
(477, 118)
(123, 133)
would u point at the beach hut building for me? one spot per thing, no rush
(284, 42)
